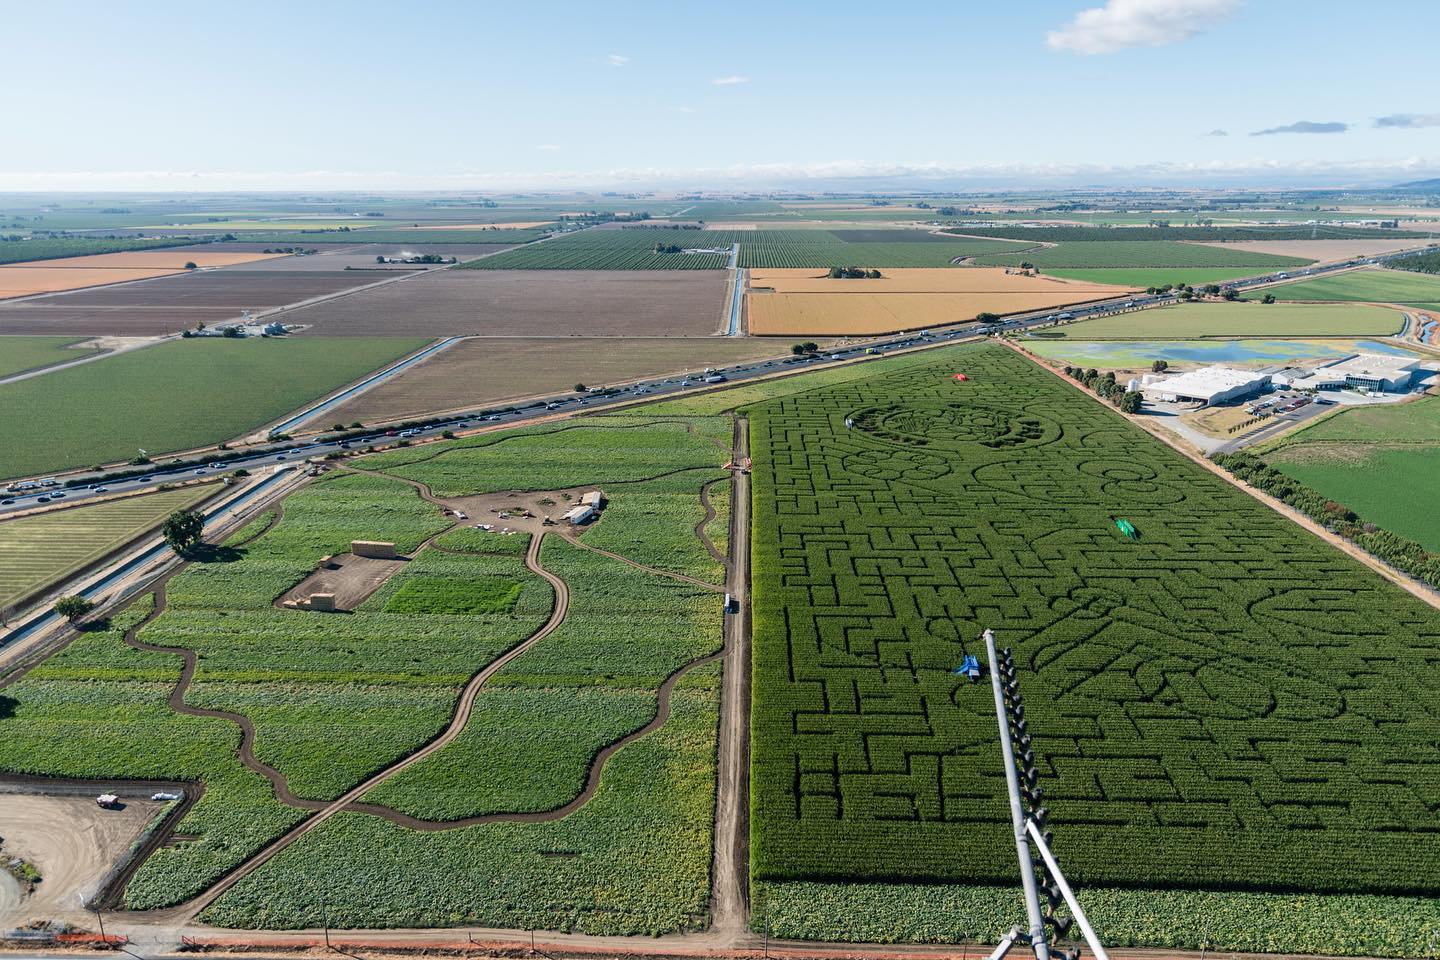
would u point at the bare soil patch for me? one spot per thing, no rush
(72, 842)
(488, 371)
(169, 259)
(350, 579)
(530, 303)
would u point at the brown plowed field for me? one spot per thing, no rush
(169, 304)
(170, 259)
(529, 303)
(489, 371)
(362, 256)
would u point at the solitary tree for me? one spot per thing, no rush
(1130, 402)
(191, 265)
(1231, 294)
(1159, 366)
(73, 608)
(182, 530)
(579, 388)
(1268, 298)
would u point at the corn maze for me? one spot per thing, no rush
(1227, 703)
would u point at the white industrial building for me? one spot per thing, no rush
(1206, 386)
(1364, 371)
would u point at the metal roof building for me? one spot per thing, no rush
(1207, 385)
(1372, 371)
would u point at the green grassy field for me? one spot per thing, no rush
(382, 235)
(1194, 321)
(1202, 700)
(1384, 286)
(18, 354)
(634, 249)
(172, 396)
(40, 550)
(1158, 276)
(1392, 486)
(1380, 461)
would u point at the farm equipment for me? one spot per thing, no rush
(969, 668)
(108, 801)
(961, 377)
(1127, 528)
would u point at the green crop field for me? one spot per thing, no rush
(1392, 486)
(1380, 461)
(1383, 286)
(1158, 276)
(18, 354)
(52, 248)
(43, 549)
(335, 697)
(1155, 253)
(1217, 707)
(1193, 321)
(173, 396)
(633, 249)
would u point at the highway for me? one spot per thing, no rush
(87, 485)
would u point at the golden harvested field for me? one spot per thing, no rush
(23, 281)
(148, 260)
(1321, 250)
(934, 280)
(864, 314)
(77, 273)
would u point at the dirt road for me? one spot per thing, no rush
(729, 872)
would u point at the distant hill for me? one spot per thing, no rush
(1432, 184)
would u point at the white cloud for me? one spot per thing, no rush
(616, 60)
(729, 81)
(1409, 120)
(686, 109)
(1304, 126)
(1122, 24)
(1217, 132)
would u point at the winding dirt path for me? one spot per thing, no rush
(710, 514)
(324, 810)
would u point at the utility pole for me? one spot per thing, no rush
(1038, 940)
(325, 919)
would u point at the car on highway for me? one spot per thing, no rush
(102, 489)
(6, 503)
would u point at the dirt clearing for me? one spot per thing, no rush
(72, 842)
(348, 579)
(529, 303)
(481, 372)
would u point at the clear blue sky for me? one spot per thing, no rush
(372, 94)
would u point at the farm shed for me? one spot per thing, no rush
(581, 514)
(594, 499)
(1208, 385)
